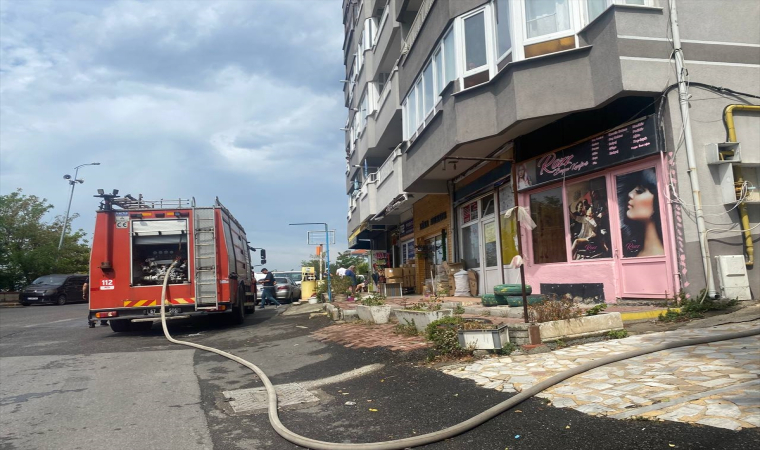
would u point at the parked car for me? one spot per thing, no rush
(286, 289)
(295, 277)
(57, 288)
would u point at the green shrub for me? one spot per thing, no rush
(443, 334)
(596, 309)
(695, 309)
(507, 349)
(617, 334)
(459, 310)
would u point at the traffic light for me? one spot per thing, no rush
(263, 256)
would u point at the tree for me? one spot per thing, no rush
(29, 245)
(346, 260)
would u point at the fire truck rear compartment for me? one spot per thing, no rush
(155, 245)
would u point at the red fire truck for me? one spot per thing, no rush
(136, 241)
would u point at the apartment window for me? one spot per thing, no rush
(503, 32)
(596, 7)
(363, 110)
(405, 120)
(438, 63)
(549, 235)
(475, 42)
(545, 17)
(427, 80)
(420, 112)
(449, 56)
(412, 110)
(370, 30)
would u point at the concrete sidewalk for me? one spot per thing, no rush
(715, 384)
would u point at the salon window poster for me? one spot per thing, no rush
(639, 209)
(589, 219)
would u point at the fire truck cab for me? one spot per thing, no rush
(136, 241)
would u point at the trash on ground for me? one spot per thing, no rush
(350, 403)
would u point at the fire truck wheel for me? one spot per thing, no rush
(61, 300)
(238, 312)
(120, 326)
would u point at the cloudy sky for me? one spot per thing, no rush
(238, 99)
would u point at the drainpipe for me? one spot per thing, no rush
(683, 100)
(728, 120)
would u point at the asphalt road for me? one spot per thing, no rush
(65, 386)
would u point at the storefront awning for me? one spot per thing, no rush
(360, 241)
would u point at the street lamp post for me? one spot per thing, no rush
(73, 182)
(327, 250)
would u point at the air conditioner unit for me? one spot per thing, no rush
(732, 273)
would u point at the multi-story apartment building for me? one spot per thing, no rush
(458, 110)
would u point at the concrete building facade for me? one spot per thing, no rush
(569, 109)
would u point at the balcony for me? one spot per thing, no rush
(389, 184)
(387, 132)
(387, 47)
(353, 218)
(367, 199)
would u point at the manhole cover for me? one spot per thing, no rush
(255, 400)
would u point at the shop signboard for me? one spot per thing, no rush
(629, 142)
(406, 228)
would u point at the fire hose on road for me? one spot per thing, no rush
(453, 430)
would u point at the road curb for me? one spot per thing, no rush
(10, 305)
(645, 315)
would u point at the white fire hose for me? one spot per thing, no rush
(453, 430)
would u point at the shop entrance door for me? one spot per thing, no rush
(640, 253)
(490, 256)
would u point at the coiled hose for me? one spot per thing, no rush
(451, 431)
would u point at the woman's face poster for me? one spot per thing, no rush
(639, 209)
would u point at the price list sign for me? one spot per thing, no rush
(635, 140)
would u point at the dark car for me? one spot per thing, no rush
(56, 288)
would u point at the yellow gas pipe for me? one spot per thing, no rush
(728, 117)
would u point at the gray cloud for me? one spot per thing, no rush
(238, 99)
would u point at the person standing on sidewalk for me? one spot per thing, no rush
(351, 274)
(267, 290)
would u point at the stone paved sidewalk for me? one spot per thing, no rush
(715, 384)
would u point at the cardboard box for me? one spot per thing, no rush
(472, 277)
(394, 272)
(407, 271)
(394, 280)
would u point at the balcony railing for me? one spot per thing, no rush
(386, 169)
(417, 25)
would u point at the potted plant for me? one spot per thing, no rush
(373, 309)
(422, 314)
(481, 335)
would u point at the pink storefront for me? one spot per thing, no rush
(603, 225)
